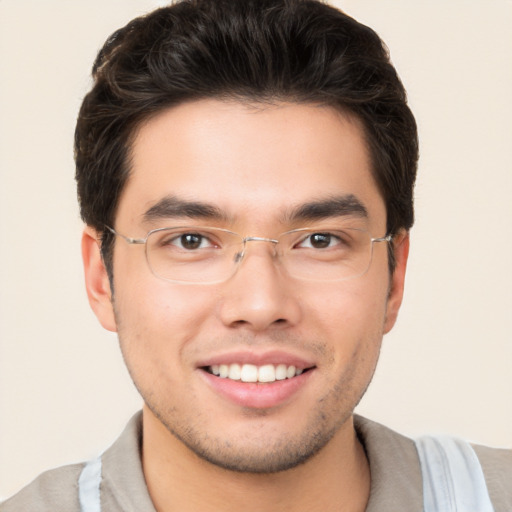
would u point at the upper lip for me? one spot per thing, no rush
(274, 357)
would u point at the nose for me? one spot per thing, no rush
(259, 296)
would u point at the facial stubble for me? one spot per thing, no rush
(260, 451)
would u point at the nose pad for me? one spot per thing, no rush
(240, 255)
(255, 297)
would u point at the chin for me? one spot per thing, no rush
(259, 449)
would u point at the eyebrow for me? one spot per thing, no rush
(336, 206)
(174, 207)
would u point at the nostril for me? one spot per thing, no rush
(237, 323)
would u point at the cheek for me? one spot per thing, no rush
(156, 318)
(347, 306)
(349, 317)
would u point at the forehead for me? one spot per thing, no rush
(248, 160)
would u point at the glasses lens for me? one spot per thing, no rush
(210, 255)
(324, 255)
(192, 254)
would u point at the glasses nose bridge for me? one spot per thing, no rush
(241, 255)
(259, 239)
(246, 239)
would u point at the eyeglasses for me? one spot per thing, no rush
(208, 255)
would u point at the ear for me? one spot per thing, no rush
(96, 279)
(396, 289)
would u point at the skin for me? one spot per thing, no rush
(255, 164)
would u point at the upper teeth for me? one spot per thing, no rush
(253, 373)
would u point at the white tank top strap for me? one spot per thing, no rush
(453, 480)
(89, 486)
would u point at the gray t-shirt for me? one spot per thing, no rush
(396, 481)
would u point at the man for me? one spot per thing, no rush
(245, 170)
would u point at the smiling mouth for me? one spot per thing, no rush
(266, 373)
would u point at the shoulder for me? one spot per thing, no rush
(395, 467)
(396, 481)
(55, 490)
(123, 485)
(497, 467)
(385, 446)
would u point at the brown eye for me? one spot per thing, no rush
(191, 241)
(320, 240)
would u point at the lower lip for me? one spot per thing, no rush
(257, 395)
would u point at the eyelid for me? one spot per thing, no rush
(210, 232)
(338, 234)
(307, 239)
(336, 224)
(168, 235)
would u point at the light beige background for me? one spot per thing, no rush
(64, 392)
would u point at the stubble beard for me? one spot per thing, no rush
(264, 456)
(258, 452)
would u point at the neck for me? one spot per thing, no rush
(335, 479)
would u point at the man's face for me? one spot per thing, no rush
(255, 167)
